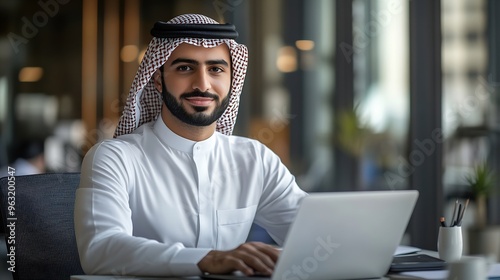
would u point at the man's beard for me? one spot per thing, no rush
(199, 118)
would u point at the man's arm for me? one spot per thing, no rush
(280, 199)
(103, 225)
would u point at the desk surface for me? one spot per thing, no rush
(110, 277)
(436, 275)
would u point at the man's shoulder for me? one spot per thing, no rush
(128, 140)
(110, 147)
(238, 140)
(242, 144)
(138, 133)
(123, 144)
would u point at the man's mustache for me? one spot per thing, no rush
(198, 93)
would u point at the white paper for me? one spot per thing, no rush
(434, 274)
(403, 250)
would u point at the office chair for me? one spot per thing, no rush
(45, 245)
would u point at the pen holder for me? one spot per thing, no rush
(450, 243)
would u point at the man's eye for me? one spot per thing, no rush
(217, 69)
(184, 68)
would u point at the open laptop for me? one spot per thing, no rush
(344, 235)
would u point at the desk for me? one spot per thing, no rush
(110, 277)
(430, 275)
(494, 272)
(436, 275)
(103, 277)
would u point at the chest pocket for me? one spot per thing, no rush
(233, 226)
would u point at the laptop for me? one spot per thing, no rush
(343, 235)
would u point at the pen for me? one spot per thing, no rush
(443, 222)
(457, 219)
(463, 212)
(454, 213)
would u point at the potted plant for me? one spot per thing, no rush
(484, 238)
(481, 185)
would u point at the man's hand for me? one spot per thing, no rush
(249, 258)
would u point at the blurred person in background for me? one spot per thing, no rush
(30, 159)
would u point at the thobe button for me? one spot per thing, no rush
(197, 147)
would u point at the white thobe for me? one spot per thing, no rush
(154, 203)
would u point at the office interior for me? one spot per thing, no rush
(353, 95)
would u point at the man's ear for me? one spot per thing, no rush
(157, 79)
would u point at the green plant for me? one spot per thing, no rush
(482, 185)
(352, 136)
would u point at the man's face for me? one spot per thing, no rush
(196, 82)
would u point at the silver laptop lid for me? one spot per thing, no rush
(345, 235)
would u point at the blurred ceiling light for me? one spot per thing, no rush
(129, 53)
(304, 45)
(287, 59)
(30, 74)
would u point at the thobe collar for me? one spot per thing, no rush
(169, 138)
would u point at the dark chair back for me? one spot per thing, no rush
(37, 214)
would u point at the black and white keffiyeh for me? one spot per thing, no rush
(144, 101)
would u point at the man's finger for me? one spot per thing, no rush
(257, 257)
(269, 250)
(249, 258)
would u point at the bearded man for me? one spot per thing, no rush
(174, 193)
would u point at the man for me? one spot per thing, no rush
(173, 194)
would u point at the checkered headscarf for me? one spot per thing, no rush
(144, 101)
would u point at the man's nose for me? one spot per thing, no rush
(201, 81)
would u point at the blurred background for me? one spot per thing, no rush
(351, 94)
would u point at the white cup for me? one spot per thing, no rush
(450, 243)
(468, 268)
